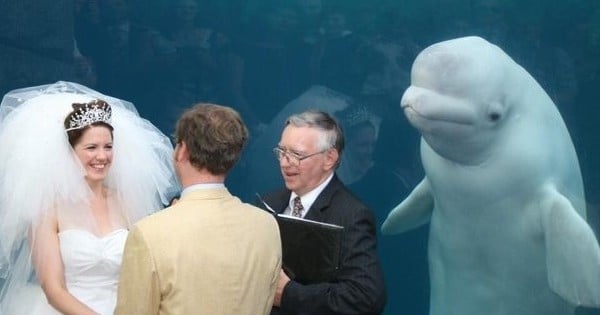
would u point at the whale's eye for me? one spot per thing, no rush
(494, 116)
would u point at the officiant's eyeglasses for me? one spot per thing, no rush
(293, 158)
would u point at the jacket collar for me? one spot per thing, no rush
(279, 200)
(209, 193)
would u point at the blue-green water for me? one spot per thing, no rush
(269, 59)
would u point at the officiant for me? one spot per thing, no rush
(309, 152)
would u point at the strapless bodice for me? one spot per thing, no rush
(92, 266)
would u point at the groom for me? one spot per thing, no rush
(209, 252)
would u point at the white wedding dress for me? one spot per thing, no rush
(92, 266)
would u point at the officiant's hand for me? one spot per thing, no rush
(283, 281)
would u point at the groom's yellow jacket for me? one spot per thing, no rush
(207, 254)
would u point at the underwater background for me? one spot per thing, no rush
(269, 58)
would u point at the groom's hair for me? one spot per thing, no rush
(214, 135)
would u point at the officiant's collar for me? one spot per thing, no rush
(309, 198)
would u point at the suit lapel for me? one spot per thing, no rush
(321, 204)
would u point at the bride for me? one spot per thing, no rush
(77, 168)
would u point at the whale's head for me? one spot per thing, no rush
(459, 97)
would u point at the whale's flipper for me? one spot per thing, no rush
(412, 212)
(572, 252)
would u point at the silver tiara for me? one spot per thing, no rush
(92, 112)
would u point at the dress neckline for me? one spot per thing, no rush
(100, 237)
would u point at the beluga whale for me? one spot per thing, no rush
(502, 191)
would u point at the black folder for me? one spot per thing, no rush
(311, 249)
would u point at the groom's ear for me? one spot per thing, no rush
(181, 152)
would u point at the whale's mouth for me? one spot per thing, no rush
(412, 113)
